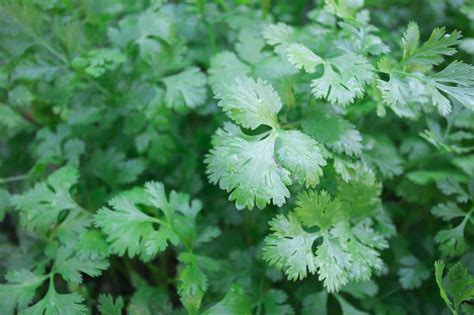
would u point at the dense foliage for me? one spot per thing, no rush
(236, 157)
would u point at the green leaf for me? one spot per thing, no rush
(70, 266)
(345, 253)
(321, 123)
(11, 119)
(402, 95)
(41, 205)
(148, 300)
(126, 226)
(301, 155)
(332, 263)
(289, 247)
(458, 285)
(343, 79)
(361, 196)
(193, 281)
(155, 35)
(250, 47)
(250, 103)
(186, 89)
(245, 166)
(57, 304)
(225, 67)
(278, 34)
(439, 270)
(107, 306)
(274, 302)
(410, 39)
(130, 229)
(257, 169)
(432, 51)
(451, 242)
(465, 163)
(19, 291)
(447, 211)
(347, 308)
(457, 82)
(99, 61)
(381, 153)
(451, 187)
(318, 209)
(235, 302)
(315, 303)
(113, 167)
(303, 58)
(39, 70)
(92, 245)
(412, 272)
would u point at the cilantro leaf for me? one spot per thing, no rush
(315, 303)
(344, 85)
(289, 247)
(343, 77)
(98, 61)
(107, 306)
(70, 266)
(451, 241)
(455, 80)
(257, 169)
(432, 51)
(412, 272)
(42, 205)
(193, 281)
(447, 211)
(225, 67)
(234, 302)
(133, 228)
(456, 287)
(246, 167)
(126, 227)
(274, 302)
(278, 34)
(346, 253)
(301, 155)
(250, 103)
(303, 58)
(55, 303)
(20, 290)
(318, 209)
(186, 89)
(113, 167)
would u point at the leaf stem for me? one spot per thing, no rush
(13, 178)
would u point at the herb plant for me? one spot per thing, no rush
(236, 157)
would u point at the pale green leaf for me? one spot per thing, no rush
(412, 272)
(186, 89)
(301, 155)
(289, 247)
(107, 305)
(250, 103)
(303, 58)
(19, 291)
(246, 167)
(235, 302)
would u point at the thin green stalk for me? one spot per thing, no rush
(13, 179)
(266, 5)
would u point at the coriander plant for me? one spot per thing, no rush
(236, 157)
